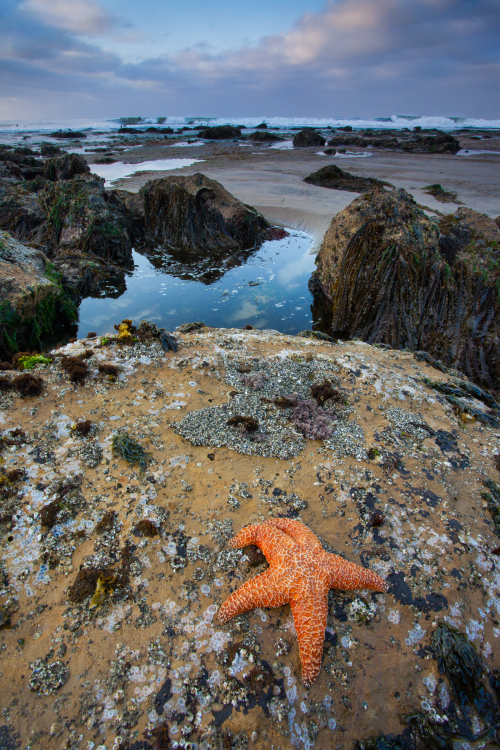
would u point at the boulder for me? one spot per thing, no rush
(348, 140)
(20, 211)
(432, 144)
(32, 299)
(390, 277)
(48, 149)
(19, 166)
(308, 137)
(262, 126)
(220, 132)
(336, 179)
(198, 216)
(68, 134)
(85, 231)
(65, 167)
(262, 136)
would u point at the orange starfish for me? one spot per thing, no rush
(302, 573)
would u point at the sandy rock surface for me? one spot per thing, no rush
(397, 487)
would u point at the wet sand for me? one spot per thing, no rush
(272, 180)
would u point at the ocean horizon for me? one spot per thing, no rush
(444, 123)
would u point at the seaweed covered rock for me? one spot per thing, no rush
(198, 216)
(390, 277)
(308, 137)
(20, 210)
(32, 300)
(14, 164)
(85, 232)
(335, 178)
(65, 167)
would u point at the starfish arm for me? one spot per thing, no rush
(346, 575)
(271, 541)
(297, 530)
(262, 591)
(310, 618)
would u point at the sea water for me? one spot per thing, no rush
(268, 290)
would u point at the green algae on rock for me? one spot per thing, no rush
(382, 271)
(32, 299)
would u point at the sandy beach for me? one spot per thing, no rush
(272, 180)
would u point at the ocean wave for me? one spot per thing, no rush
(281, 123)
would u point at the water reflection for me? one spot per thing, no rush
(267, 288)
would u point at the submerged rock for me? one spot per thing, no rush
(308, 137)
(32, 300)
(383, 272)
(198, 216)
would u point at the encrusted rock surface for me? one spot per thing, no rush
(393, 275)
(111, 574)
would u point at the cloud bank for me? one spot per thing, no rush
(353, 58)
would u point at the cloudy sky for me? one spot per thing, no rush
(347, 58)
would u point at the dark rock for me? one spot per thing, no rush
(348, 140)
(71, 134)
(85, 232)
(308, 137)
(262, 126)
(48, 149)
(20, 211)
(432, 144)
(381, 269)
(220, 132)
(198, 216)
(65, 167)
(32, 300)
(132, 206)
(263, 137)
(335, 178)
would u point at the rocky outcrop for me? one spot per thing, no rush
(74, 222)
(32, 299)
(197, 216)
(395, 276)
(336, 179)
(262, 136)
(85, 232)
(220, 132)
(65, 167)
(432, 144)
(308, 137)
(20, 210)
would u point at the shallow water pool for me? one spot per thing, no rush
(119, 169)
(268, 289)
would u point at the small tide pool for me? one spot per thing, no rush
(119, 169)
(266, 288)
